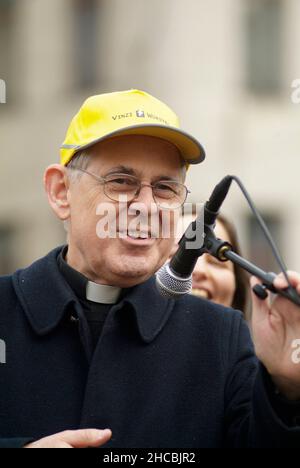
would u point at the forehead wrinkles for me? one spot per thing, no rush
(140, 169)
(142, 173)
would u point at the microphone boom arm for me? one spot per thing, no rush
(222, 250)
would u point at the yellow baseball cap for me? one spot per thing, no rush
(130, 112)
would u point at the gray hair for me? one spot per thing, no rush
(81, 160)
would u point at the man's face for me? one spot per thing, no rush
(122, 261)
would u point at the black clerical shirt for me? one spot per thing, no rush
(95, 312)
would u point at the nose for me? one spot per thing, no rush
(145, 198)
(201, 271)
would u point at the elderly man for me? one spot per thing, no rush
(94, 355)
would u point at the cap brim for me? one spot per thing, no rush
(191, 150)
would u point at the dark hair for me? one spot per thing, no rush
(240, 299)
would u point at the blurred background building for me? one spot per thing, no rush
(226, 67)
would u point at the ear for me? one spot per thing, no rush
(57, 188)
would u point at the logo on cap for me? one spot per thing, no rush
(140, 113)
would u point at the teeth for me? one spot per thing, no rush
(139, 235)
(200, 293)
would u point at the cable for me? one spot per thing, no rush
(264, 228)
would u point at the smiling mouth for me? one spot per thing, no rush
(138, 235)
(204, 293)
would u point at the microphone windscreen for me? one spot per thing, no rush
(171, 286)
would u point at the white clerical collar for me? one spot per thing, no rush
(101, 293)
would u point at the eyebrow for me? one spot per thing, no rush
(121, 170)
(129, 171)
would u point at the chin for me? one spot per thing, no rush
(134, 270)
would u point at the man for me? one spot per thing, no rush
(95, 356)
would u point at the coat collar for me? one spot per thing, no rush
(46, 299)
(152, 311)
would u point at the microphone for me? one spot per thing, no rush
(174, 279)
(213, 205)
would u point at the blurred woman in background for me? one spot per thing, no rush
(221, 282)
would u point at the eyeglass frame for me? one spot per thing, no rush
(103, 181)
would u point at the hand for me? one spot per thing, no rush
(276, 330)
(74, 439)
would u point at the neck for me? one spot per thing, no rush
(78, 262)
(84, 286)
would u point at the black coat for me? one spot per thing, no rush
(164, 373)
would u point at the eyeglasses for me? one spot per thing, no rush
(167, 194)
